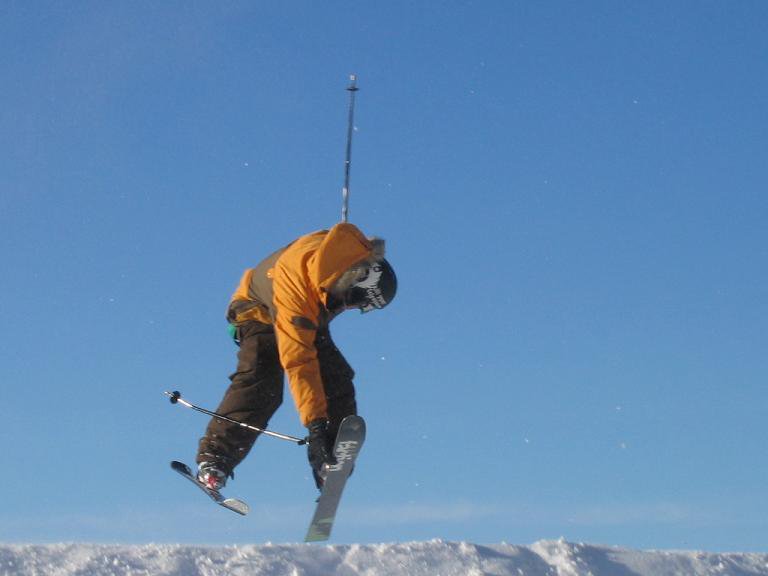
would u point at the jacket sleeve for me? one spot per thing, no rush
(296, 320)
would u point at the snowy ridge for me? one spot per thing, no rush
(434, 558)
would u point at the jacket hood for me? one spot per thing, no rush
(350, 276)
(343, 248)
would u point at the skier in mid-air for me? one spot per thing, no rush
(279, 317)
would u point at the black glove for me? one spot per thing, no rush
(320, 450)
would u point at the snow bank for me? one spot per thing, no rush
(435, 558)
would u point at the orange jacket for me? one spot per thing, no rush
(289, 289)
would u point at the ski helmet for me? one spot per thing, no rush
(375, 287)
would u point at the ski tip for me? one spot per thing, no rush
(355, 423)
(180, 467)
(236, 506)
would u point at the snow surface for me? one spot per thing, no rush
(434, 558)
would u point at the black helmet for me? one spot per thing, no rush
(375, 287)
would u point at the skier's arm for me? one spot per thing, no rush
(295, 328)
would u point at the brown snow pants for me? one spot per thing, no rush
(256, 392)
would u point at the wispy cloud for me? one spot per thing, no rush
(652, 513)
(627, 514)
(417, 513)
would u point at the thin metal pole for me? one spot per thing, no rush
(176, 398)
(352, 88)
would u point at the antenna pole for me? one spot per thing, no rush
(352, 88)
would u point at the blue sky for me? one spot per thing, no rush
(574, 200)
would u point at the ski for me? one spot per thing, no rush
(229, 503)
(349, 441)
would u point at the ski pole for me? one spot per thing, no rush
(352, 88)
(176, 398)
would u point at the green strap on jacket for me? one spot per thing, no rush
(234, 333)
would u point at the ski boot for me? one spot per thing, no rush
(211, 476)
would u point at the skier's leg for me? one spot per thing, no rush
(255, 393)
